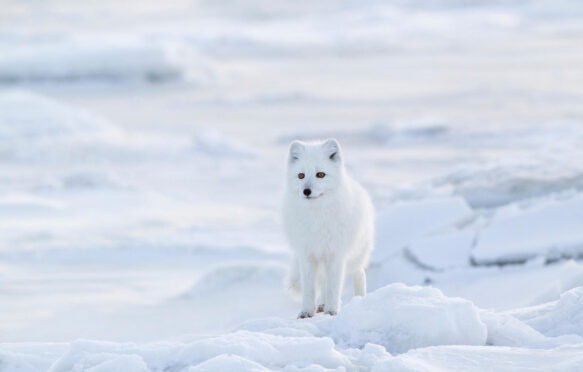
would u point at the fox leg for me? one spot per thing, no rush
(359, 282)
(335, 277)
(321, 281)
(308, 279)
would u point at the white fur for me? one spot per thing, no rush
(331, 232)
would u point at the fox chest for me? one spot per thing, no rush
(320, 233)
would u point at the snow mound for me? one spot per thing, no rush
(242, 349)
(397, 317)
(22, 361)
(29, 116)
(491, 358)
(506, 330)
(74, 61)
(228, 363)
(423, 329)
(404, 222)
(561, 317)
(550, 228)
(400, 318)
(214, 143)
(235, 275)
(19, 203)
(34, 127)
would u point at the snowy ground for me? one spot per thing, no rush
(142, 148)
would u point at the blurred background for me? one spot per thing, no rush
(143, 147)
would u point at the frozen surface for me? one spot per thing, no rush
(443, 251)
(91, 60)
(549, 228)
(403, 222)
(464, 358)
(561, 317)
(397, 317)
(412, 336)
(142, 156)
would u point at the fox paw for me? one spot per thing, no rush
(305, 314)
(331, 312)
(320, 308)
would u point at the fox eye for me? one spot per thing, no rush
(320, 174)
(301, 176)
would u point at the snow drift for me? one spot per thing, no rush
(71, 61)
(561, 317)
(394, 328)
(406, 221)
(397, 317)
(35, 127)
(402, 318)
(551, 227)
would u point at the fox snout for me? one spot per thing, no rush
(307, 192)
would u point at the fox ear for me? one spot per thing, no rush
(332, 149)
(296, 149)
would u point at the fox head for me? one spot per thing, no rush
(314, 169)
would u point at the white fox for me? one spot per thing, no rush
(329, 222)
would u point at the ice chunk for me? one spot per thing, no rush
(561, 317)
(505, 330)
(504, 182)
(443, 251)
(404, 222)
(551, 228)
(83, 60)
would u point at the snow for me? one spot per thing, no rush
(444, 251)
(226, 362)
(402, 318)
(250, 349)
(143, 145)
(500, 183)
(90, 59)
(465, 358)
(385, 317)
(413, 335)
(561, 317)
(506, 330)
(549, 228)
(226, 277)
(487, 287)
(36, 128)
(212, 143)
(404, 221)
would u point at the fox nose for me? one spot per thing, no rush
(307, 192)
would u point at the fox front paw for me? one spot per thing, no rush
(320, 308)
(305, 314)
(331, 312)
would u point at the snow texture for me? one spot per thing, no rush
(93, 60)
(550, 228)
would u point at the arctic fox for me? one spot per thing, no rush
(329, 222)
